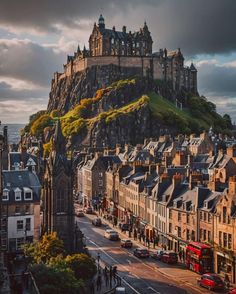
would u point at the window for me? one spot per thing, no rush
(209, 217)
(28, 224)
(60, 201)
(187, 218)
(170, 227)
(17, 194)
(200, 215)
(179, 216)
(220, 238)
(204, 235)
(201, 233)
(205, 216)
(224, 214)
(170, 214)
(5, 195)
(224, 240)
(179, 232)
(112, 41)
(188, 234)
(28, 194)
(20, 225)
(100, 183)
(229, 241)
(209, 236)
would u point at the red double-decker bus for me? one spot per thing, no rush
(199, 257)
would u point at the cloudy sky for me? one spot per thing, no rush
(36, 36)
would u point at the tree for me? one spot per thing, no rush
(50, 246)
(82, 265)
(228, 121)
(56, 279)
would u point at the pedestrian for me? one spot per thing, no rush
(180, 255)
(110, 274)
(139, 237)
(148, 242)
(99, 282)
(106, 279)
(183, 256)
(144, 240)
(92, 287)
(114, 272)
(105, 271)
(135, 234)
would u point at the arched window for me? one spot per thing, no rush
(60, 200)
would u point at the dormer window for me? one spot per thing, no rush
(5, 195)
(28, 194)
(17, 194)
(205, 204)
(175, 204)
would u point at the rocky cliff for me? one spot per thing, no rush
(102, 107)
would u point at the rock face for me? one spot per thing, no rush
(68, 91)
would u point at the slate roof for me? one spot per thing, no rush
(21, 179)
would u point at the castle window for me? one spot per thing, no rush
(123, 42)
(112, 41)
(137, 44)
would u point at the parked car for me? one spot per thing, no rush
(97, 222)
(126, 243)
(232, 291)
(89, 210)
(169, 257)
(211, 282)
(124, 227)
(158, 254)
(111, 235)
(80, 213)
(141, 252)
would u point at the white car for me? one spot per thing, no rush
(111, 235)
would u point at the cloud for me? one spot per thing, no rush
(28, 61)
(216, 79)
(196, 26)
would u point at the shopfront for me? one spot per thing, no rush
(225, 264)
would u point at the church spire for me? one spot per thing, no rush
(59, 142)
(101, 22)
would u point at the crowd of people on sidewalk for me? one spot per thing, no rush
(105, 279)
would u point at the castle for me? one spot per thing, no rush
(127, 51)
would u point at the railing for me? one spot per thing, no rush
(32, 285)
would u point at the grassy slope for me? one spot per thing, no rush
(163, 107)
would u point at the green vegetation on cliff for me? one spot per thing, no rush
(128, 97)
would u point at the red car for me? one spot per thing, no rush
(232, 291)
(169, 257)
(211, 282)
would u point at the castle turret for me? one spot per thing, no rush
(101, 22)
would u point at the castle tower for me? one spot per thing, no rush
(58, 193)
(193, 75)
(101, 22)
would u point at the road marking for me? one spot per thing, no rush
(128, 284)
(155, 291)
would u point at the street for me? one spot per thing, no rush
(141, 276)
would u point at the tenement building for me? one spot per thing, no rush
(130, 52)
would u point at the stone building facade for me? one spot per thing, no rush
(128, 51)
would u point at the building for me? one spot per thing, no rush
(20, 208)
(131, 53)
(58, 209)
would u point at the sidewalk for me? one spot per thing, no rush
(103, 282)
